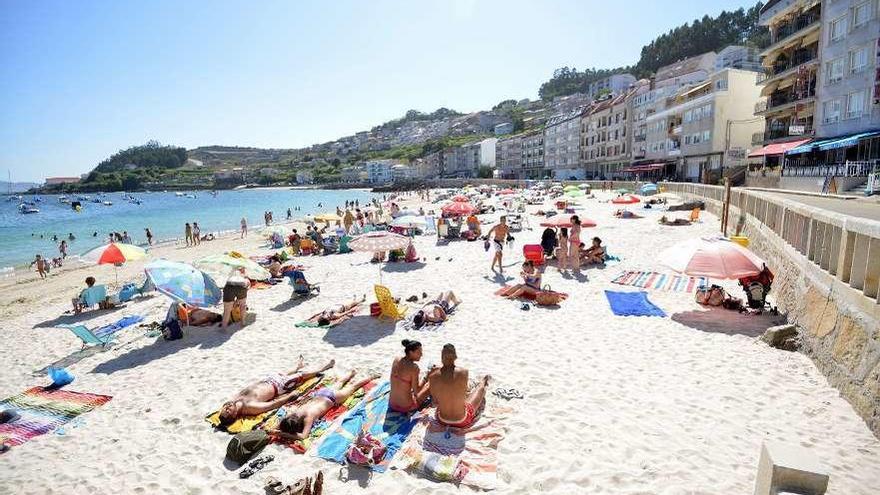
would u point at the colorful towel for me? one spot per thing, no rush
(41, 411)
(321, 426)
(248, 423)
(660, 281)
(119, 325)
(506, 288)
(371, 415)
(632, 304)
(460, 455)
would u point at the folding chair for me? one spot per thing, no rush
(386, 302)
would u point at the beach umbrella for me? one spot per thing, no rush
(269, 231)
(506, 191)
(328, 217)
(570, 187)
(458, 209)
(622, 190)
(183, 283)
(565, 221)
(648, 189)
(713, 258)
(584, 186)
(627, 199)
(221, 266)
(373, 242)
(460, 198)
(574, 193)
(115, 253)
(409, 222)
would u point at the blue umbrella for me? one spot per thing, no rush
(183, 283)
(649, 189)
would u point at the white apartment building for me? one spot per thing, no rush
(378, 171)
(562, 145)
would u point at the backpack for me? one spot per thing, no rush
(366, 450)
(171, 330)
(245, 445)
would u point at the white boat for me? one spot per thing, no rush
(26, 209)
(107, 203)
(191, 196)
(82, 198)
(179, 194)
(64, 199)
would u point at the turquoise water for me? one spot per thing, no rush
(163, 212)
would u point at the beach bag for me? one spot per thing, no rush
(245, 445)
(366, 450)
(756, 294)
(710, 296)
(375, 309)
(546, 297)
(171, 330)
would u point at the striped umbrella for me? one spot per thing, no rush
(114, 253)
(378, 241)
(626, 199)
(458, 209)
(183, 283)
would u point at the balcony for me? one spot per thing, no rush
(793, 29)
(788, 131)
(781, 101)
(675, 131)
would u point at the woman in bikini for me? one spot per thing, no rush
(330, 317)
(574, 241)
(407, 392)
(437, 310)
(531, 282)
(562, 249)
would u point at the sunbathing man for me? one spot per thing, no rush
(449, 390)
(297, 422)
(437, 310)
(595, 254)
(333, 316)
(500, 232)
(267, 394)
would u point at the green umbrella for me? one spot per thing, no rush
(574, 193)
(222, 265)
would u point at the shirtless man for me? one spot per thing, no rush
(500, 232)
(267, 394)
(448, 387)
(297, 423)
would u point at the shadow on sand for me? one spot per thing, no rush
(402, 267)
(361, 330)
(289, 304)
(70, 319)
(728, 322)
(203, 337)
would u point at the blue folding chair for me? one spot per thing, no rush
(87, 336)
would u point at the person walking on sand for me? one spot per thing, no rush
(574, 243)
(188, 233)
(243, 227)
(347, 220)
(149, 235)
(449, 391)
(42, 269)
(197, 234)
(498, 233)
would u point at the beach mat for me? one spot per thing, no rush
(529, 297)
(320, 427)
(112, 328)
(373, 416)
(248, 423)
(459, 455)
(42, 410)
(632, 304)
(660, 281)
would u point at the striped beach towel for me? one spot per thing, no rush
(41, 411)
(660, 281)
(248, 423)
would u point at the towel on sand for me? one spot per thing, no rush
(661, 281)
(312, 322)
(119, 325)
(632, 304)
(506, 288)
(41, 410)
(321, 426)
(461, 455)
(373, 416)
(248, 423)
(406, 323)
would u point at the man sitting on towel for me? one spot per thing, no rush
(449, 390)
(297, 422)
(267, 394)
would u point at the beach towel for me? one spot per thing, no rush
(112, 328)
(373, 416)
(500, 292)
(312, 322)
(320, 427)
(248, 423)
(41, 410)
(632, 304)
(407, 324)
(460, 455)
(660, 281)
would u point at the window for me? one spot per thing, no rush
(855, 104)
(858, 60)
(837, 29)
(687, 139)
(707, 110)
(687, 116)
(834, 70)
(721, 85)
(861, 14)
(830, 111)
(706, 136)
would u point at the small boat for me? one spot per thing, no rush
(13, 198)
(64, 199)
(96, 200)
(83, 198)
(191, 196)
(179, 194)
(107, 203)
(26, 209)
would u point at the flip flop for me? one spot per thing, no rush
(255, 465)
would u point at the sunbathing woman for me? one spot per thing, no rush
(407, 392)
(436, 311)
(297, 422)
(334, 316)
(531, 283)
(267, 394)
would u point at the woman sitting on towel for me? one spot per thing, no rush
(595, 254)
(407, 391)
(531, 283)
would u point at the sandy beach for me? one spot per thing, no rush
(613, 405)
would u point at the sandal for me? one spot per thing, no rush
(274, 486)
(255, 465)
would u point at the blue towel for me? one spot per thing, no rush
(632, 304)
(119, 325)
(371, 414)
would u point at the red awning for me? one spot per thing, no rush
(777, 148)
(645, 168)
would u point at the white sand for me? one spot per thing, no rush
(613, 405)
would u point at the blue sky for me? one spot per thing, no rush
(81, 80)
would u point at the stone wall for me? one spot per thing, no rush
(838, 325)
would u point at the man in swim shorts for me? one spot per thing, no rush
(499, 234)
(449, 390)
(267, 394)
(297, 423)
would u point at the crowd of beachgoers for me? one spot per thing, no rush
(551, 339)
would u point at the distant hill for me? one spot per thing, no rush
(16, 187)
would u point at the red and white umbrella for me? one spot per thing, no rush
(372, 242)
(713, 258)
(114, 254)
(458, 209)
(565, 221)
(506, 191)
(460, 198)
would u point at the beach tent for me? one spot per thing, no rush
(713, 258)
(183, 283)
(648, 189)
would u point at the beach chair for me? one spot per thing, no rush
(343, 244)
(93, 296)
(389, 308)
(443, 231)
(87, 336)
(534, 253)
(695, 215)
(430, 224)
(301, 287)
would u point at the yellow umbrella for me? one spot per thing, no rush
(328, 217)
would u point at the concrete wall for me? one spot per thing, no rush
(814, 184)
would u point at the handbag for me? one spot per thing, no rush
(366, 450)
(546, 297)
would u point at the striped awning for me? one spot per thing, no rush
(848, 141)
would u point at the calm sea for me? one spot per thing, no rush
(22, 236)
